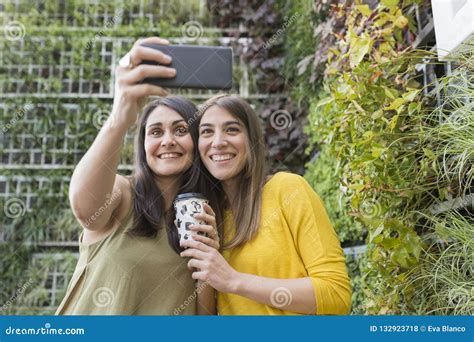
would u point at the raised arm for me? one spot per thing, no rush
(96, 190)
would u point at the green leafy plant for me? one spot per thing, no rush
(368, 117)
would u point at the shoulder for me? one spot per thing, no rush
(286, 186)
(286, 180)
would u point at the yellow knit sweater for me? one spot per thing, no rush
(295, 240)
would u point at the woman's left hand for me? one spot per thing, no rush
(210, 228)
(211, 266)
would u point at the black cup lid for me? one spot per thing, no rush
(187, 195)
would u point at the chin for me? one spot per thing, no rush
(221, 176)
(168, 172)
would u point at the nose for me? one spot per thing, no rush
(219, 141)
(168, 139)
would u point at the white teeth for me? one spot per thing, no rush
(222, 157)
(169, 155)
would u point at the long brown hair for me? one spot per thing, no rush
(248, 201)
(149, 212)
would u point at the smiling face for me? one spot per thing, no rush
(168, 143)
(222, 143)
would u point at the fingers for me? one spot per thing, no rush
(152, 40)
(143, 71)
(208, 241)
(199, 276)
(195, 245)
(210, 219)
(141, 90)
(209, 210)
(193, 253)
(143, 53)
(194, 263)
(210, 230)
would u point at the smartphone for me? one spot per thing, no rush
(199, 67)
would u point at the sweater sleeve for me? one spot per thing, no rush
(317, 245)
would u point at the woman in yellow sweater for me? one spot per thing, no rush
(281, 255)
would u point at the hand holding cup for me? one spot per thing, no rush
(195, 220)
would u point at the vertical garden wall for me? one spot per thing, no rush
(349, 93)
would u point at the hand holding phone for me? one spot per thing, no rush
(130, 92)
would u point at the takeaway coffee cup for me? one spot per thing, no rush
(186, 205)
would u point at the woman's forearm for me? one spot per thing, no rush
(295, 295)
(206, 300)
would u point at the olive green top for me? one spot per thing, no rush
(123, 274)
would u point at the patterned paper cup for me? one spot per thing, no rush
(186, 205)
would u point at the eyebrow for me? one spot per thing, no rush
(161, 124)
(227, 123)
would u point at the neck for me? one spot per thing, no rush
(169, 187)
(230, 188)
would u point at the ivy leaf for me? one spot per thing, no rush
(377, 114)
(359, 48)
(410, 95)
(391, 4)
(390, 243)
(393, 122)
(401, 21)
(389, 93)
(364, 10)
(413, 107)
(376, 233)
(400, 257)
(377, 151)
(396, 103)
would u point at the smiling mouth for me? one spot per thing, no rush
(222, 157)
(169, 155)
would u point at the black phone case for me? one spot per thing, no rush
(200, 67)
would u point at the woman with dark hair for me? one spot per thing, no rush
(281, 255)
(129, 262)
